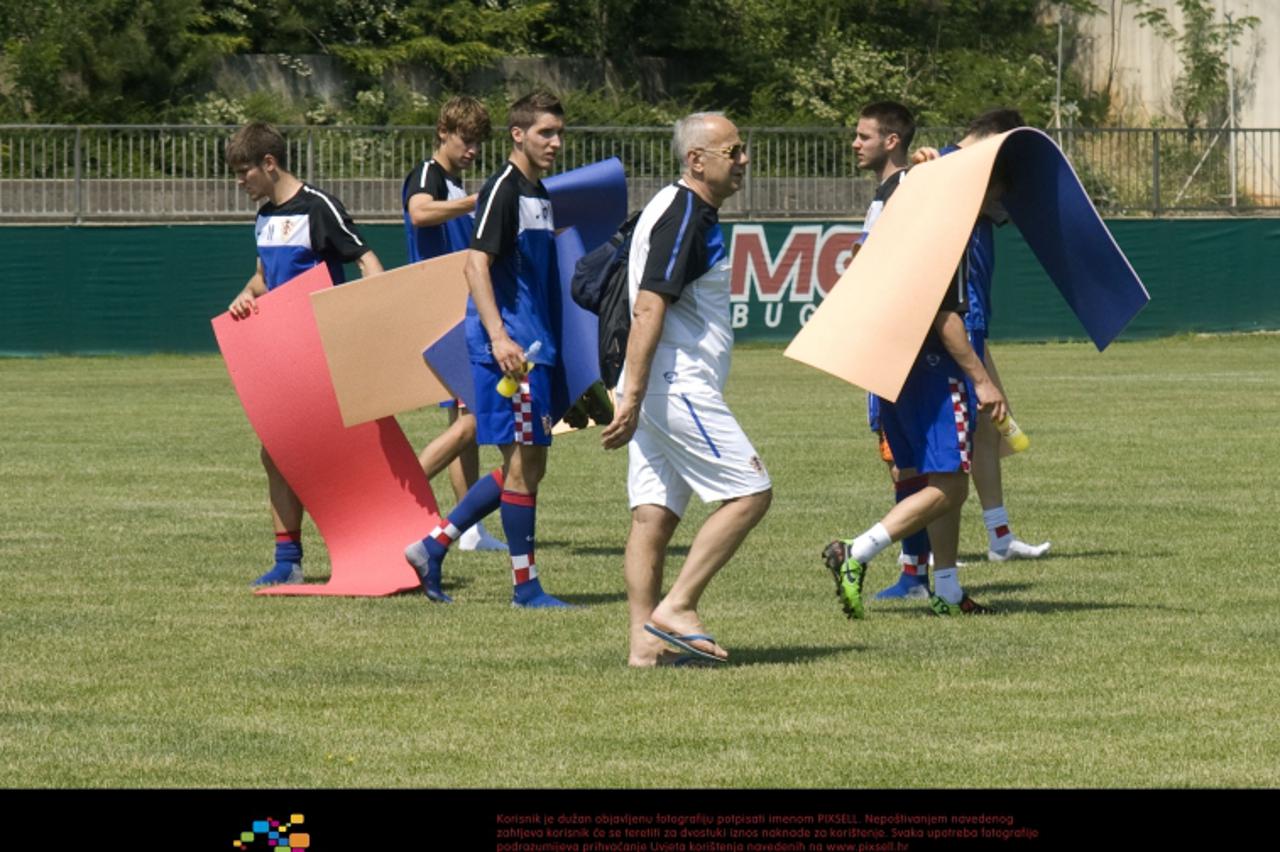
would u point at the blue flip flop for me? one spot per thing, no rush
(682, 641)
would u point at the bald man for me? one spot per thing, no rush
(671, 410)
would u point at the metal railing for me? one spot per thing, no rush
(137, 173)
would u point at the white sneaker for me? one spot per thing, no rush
(478, 538)
(1019, 549)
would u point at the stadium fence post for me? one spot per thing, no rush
(1155, 172)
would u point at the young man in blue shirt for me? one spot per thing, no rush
(985, 470)
(511, 272)
(438, 221)
(298, 227)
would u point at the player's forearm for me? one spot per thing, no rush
(950, 328)
(256, 286)
(369, 264)
(480, 284)
(425, 212)
(646, 330)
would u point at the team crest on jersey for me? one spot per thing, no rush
(286, 228)
(933, 359)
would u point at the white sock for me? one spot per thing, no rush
(871, 542)
(947, 586)
(998, 532)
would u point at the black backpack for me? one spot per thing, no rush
(599, 285)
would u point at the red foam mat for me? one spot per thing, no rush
(362, 486)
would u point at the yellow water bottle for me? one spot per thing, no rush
(1013, 436)
(508, 385)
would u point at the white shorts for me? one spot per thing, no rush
(689, 443)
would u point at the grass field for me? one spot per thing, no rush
(1145, 651)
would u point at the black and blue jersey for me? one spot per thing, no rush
(514, 225)
(310, 228)
(980, 257)
(435, 240)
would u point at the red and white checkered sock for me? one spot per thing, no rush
(445, 534)
(519, 520)
(523, 568)
(917, 565)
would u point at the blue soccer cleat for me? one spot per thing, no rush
(908, 587)
(529, 595)
(427, 567)
(281, 574)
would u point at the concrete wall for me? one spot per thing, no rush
(326, 79)
(1142, 67)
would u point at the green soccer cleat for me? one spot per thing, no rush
(847, 574)
(967, 606)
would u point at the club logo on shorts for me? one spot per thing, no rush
(756, 464)
(670, 376)
(932, 359)
(546, 424)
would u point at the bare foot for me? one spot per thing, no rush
(648, 651)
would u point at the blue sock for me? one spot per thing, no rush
(917, 544)
(288, 547)
(478, 503)
(519, 517)
(519, 521)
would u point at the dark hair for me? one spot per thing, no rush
(465, 116)
(894, 118)
(995, 121)
(252, 143)
(525, 112)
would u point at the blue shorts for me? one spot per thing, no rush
(521, 419)
(930, 427)
(873, 412)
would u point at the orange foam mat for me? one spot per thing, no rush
(869, 328)
(374, 330)
(362, 485)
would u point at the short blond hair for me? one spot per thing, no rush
(465, 116)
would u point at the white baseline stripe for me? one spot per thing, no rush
(489, 201)
(334, 210)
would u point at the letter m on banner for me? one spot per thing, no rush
(755, 267)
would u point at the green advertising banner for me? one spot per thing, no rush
(1204, 275)
(154, 288)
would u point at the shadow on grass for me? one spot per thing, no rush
(975, 559)
(450, 587)
(1008, 607)
(980, 589)
(619, 551)
(1048, 607)
(773, 656)
(594, 599)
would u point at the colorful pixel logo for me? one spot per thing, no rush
(270, 834)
